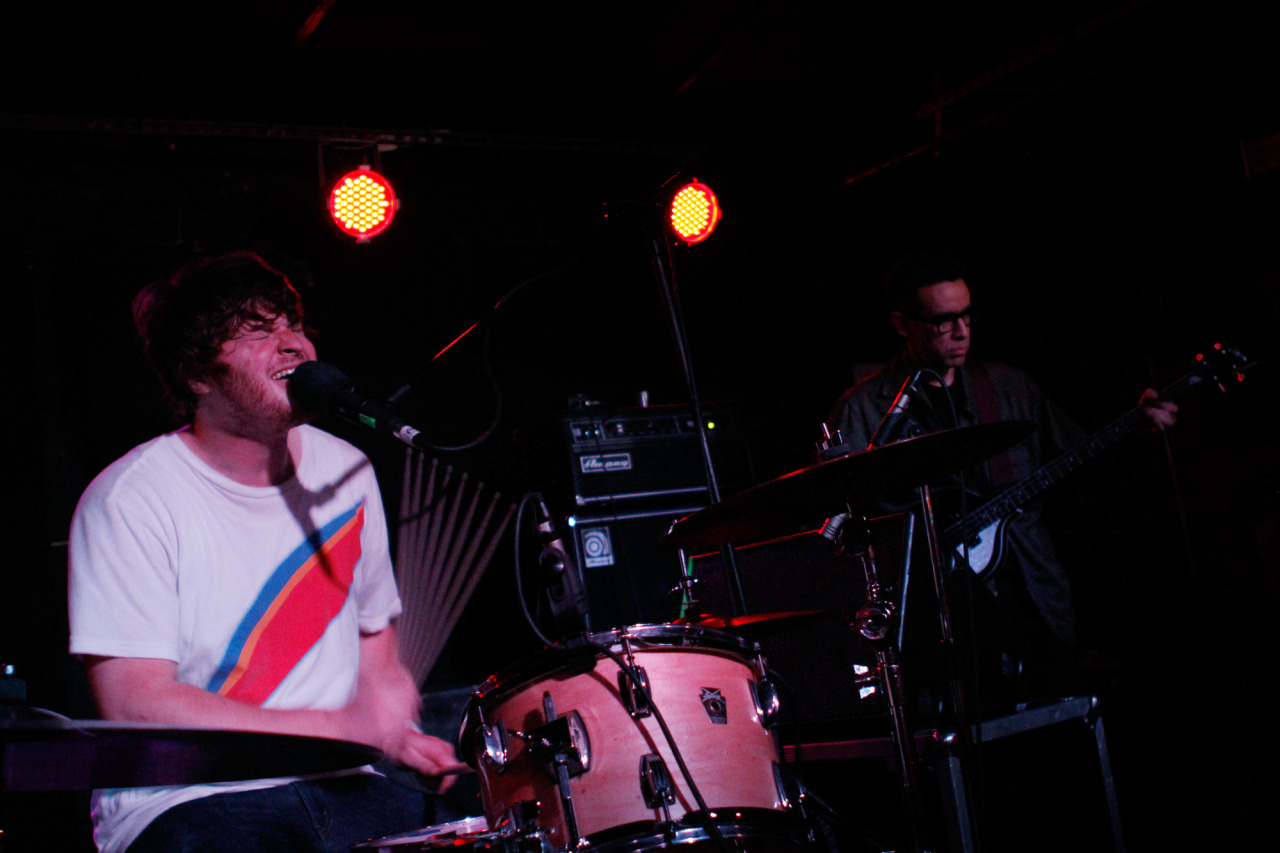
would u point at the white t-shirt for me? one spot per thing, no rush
(258, 593)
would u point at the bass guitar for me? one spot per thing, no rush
(982, 530)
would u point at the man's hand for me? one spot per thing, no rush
(1161, 414)
(386, 709)
(434, 758)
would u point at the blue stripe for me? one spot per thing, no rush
(270, 590)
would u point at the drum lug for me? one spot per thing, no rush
(784, 799)
(635, 697)
(768, 705)
(494, 750)
(655, 782)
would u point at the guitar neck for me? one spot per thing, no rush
(1014, 496)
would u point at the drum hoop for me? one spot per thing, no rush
(752, 823)
(655, 634)
(644, 636)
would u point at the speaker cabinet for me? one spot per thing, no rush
(631, 577)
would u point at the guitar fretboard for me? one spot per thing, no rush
(1014, 496)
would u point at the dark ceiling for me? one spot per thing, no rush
(1120, 152)
(855, 77)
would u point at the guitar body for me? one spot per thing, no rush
(986, 550)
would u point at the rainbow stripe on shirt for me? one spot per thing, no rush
(291, 612)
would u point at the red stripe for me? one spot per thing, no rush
(298, 618)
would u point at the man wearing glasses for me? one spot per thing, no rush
(1024, 619)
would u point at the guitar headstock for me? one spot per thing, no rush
(1223, 365)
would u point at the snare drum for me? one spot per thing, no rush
(471, 832)
(625, 786)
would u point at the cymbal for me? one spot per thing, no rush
(753, 625)
(68, 755)
(808, 495)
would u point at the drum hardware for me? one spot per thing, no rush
(768, 704)
(655, 784)
(631, 796)
(563, 739)
(878, 622)
(687, 588)
(521, 817)
(471, 833)
(783, 789)
(783, 505)
(560, 761)
(634, 690)
(495, 742)
(633, 684)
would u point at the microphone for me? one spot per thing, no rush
(321, 388)
(891, 425)
(565, 588)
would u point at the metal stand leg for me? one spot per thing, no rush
(950, 770)
(1108, 784)
(951, 785)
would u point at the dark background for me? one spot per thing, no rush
(1106, 169)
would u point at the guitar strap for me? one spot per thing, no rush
(999, 466)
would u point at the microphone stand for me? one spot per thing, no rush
(670, 301)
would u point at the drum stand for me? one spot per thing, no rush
(877, 620)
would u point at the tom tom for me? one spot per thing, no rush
(565, 743)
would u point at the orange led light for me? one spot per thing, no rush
(694, 212)
(362, 203)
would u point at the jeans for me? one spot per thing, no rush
(319, 816)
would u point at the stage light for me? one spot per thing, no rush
(694, 212)
(362, 203)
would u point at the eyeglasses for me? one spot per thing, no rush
(946, 323)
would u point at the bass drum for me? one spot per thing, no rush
(625, 788)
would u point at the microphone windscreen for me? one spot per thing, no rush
(316, 385)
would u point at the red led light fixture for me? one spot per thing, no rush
(362, 203)
(694, 212)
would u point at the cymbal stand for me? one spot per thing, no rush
(951, 651)
(876, 621)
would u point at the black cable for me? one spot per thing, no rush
(524, 604)
(485, 362)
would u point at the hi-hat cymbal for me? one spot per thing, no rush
(807, 496)
(68, 755)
